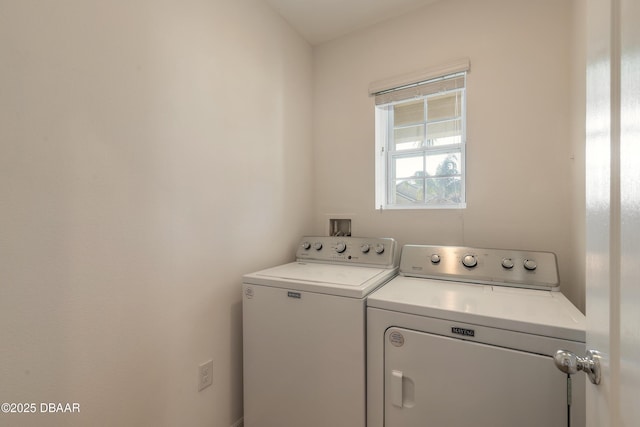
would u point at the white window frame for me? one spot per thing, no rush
(385, 154)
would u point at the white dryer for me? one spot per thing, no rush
(304, 333)
(466, 337)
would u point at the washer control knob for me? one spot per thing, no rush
(469, 261)
(341, 247)
(317, 246)
(507, 263)
(435, 259)
(306, 245)
(365, 248)
(530, 264)
(379, 248)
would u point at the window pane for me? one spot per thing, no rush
(405, 167)
(409, 137)
(445, 106)
(408, 112)
(444, 190)
(443, 164)
(445, 133)
(408, 191)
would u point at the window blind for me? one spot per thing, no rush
(429, 87)
(420, 83)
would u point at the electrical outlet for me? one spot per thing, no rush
(205, 375)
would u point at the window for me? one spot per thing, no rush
(420, 144)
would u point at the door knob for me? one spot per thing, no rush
(569, 363)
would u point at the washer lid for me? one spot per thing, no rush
(524, 310)
(342, 280)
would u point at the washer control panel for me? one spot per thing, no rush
(527, 269)
(374, 251)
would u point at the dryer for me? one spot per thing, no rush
(304, 333)
(466, 337)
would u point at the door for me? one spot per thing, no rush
(613, 209)
(442, 382)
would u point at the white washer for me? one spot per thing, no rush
(465, 337)
(304, 333)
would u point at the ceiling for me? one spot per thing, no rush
(319, 21)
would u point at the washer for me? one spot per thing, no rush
(465, 337)
(304, 333)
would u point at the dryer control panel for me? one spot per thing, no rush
(517, 268)
(369, 251)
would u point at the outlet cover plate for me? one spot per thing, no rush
(205, 375)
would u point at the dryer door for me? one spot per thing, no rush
(437, 381)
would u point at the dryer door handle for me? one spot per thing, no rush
(396, 388)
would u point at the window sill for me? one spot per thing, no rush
(421, 207)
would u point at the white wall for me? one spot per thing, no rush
(578, 139)
(521, 174)
(151, 152)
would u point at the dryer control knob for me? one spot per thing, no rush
(306, 245)
(379, 248)
(317, 246)
(435, 259)
(365, 248)
(507, 263)
(469, 261)
(341, 247)
(530, 264)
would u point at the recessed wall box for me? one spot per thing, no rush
(340, 227)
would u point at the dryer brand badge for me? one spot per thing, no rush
(396, 339)
(295, 295)
(463, 331)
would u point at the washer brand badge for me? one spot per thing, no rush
(396, 339)
(296, 295)
(463, 331)
(248, 293)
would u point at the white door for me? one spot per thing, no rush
(613, 209)
(443, 382)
